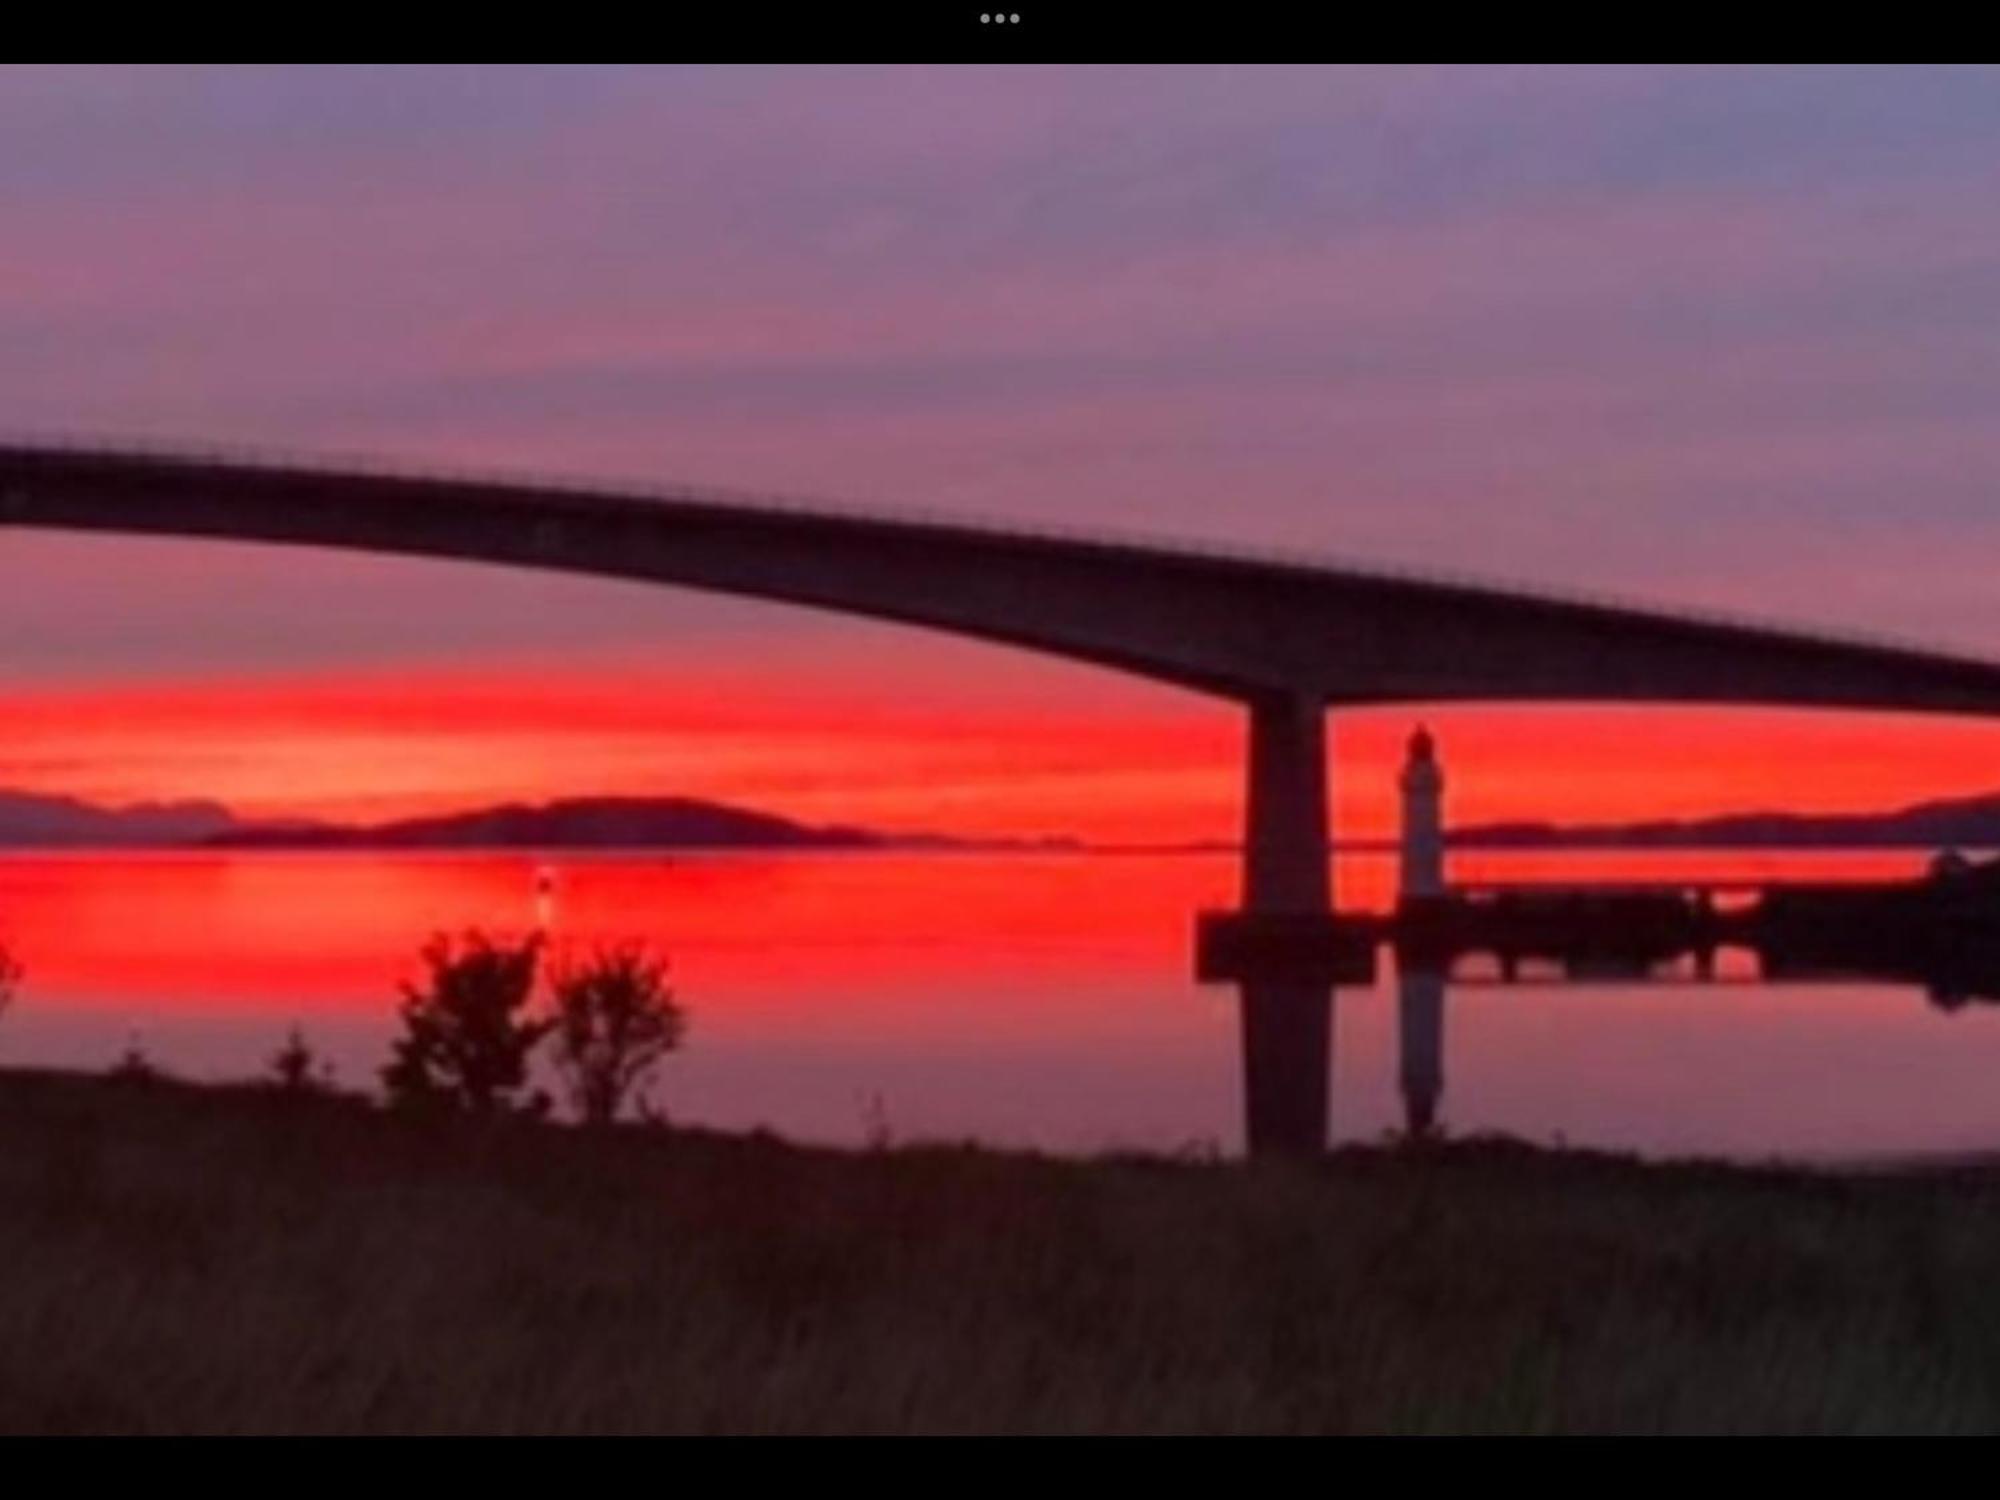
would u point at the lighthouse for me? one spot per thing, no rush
(1422, 782)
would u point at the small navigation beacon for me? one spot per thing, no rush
(545, 896)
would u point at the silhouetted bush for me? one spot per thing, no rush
(134, 1066)
(467, 1035)
(875, 1127)
(615, 1019)
(10, 978)
(296, 1069)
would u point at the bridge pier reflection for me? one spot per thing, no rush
(1288, 1050)
(1285, 969)
(1287, 1065)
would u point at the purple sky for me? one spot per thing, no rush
(1723, 337)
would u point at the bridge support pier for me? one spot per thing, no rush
(1284, 836)
(1287, 1024)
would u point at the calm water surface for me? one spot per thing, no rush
(1040, 1000)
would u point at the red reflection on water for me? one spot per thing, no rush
(325, 932)
(1038, 999)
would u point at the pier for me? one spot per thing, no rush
(1940, 927)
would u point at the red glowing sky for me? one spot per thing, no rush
(1713, 337)
(1134, 764)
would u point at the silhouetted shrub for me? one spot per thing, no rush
(134, 1066)
(296, 1069)
(615, 1019)
(467, 1036)
(10, 978)
(875, 1128)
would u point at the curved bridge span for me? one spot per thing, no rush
(1285, 639)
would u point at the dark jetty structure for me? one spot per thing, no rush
(1582, 926)
(1939, 929)
(1944, 923)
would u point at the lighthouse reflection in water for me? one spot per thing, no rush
(1420, 987)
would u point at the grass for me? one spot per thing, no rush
(185, 1259)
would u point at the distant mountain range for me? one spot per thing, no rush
(1970, 821)
(29, 820)
(33, 821)
(578, 823)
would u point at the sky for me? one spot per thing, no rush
(1710, 337)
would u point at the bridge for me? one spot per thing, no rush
(1284, 639)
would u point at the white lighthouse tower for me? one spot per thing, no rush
(1422, 782)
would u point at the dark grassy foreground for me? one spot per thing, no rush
(176, 1259)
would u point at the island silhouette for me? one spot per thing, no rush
(1972, 821)
(30, 820)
